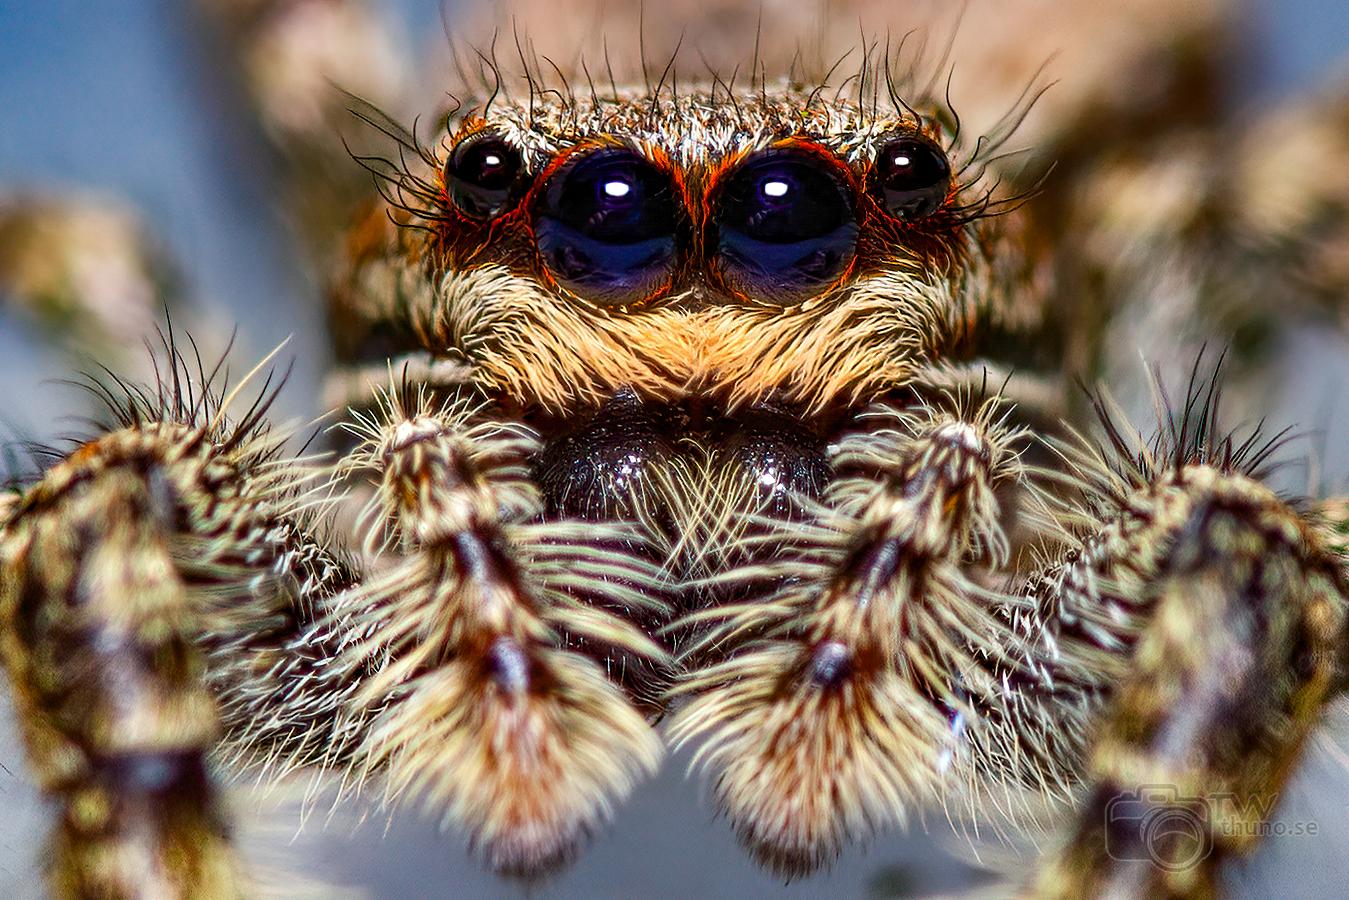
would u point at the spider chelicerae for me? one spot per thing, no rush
(675, 416)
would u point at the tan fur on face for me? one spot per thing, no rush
(536, 348)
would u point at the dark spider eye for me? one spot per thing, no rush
(913, 177)
(606, 224)
(482, 175)
(784, 222)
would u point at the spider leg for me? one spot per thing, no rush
(162, 586)
(1201, 625)
(1332, 519)
(492, 633)
(107, 684)
(838, 700)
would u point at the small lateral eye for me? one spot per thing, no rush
(913, 177)
(482, 175)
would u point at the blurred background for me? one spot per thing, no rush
(137, 106)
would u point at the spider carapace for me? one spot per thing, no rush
(672, 422)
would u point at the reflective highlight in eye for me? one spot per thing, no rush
(606, 224)
(913, 177)
(482, 176)
(784, 224)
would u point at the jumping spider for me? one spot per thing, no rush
(674, 403)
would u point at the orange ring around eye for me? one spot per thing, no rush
(618, 249)
(789, 238)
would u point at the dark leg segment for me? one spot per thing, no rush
(98, 639)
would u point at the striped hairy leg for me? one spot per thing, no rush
(173, 603)
(501, 650)
(163, 589)
(841, 703)
(1193, 629)
(1165, 666)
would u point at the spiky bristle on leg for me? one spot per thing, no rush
(159, 584)
(485, 701)
(838, 707)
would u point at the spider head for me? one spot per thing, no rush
(736, 250)
(712, 286)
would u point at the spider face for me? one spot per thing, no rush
(707, 295)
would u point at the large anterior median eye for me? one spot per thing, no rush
(605, 226)
(784, 223)
(483, 175)
(913, 177)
